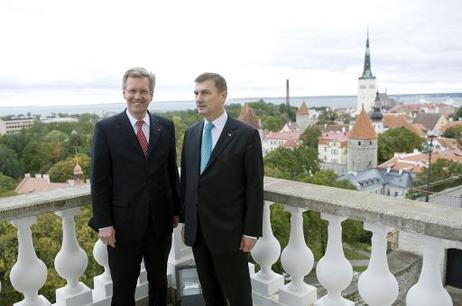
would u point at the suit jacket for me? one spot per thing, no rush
(129, 189)
(227, 197)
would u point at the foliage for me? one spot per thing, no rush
(327, 116)
(454, 132)
(9, 162)
(6, 183)
(397, 140)
(458, 114)
(64, 170)
(310, 137)
(441, 170)
(293, 163)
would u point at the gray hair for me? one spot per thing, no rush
(139, 72)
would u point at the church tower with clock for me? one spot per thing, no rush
(367, 84)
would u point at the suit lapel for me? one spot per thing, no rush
(195, 144)
(127, 131)
(154, 134)
(225, 138)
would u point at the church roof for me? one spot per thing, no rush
(428, 120)
(363, 128)
(303, 109)
(367, 72)
(247, 116)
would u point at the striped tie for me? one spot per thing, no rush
(141, 137)
(206, 148)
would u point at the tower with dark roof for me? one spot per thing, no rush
(377, 116)
(362, 145)
(367, 83)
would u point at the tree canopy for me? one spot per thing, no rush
(397, 140)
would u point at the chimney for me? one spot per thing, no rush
(343, 129)
(388, 170)
(400, 171)
(47, 178)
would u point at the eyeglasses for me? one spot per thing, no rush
(142, 92)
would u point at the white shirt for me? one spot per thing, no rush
(146, 124)
(218, 125)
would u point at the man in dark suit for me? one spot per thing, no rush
(222, 195)
(135, 191)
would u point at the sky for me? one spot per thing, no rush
(57, 52)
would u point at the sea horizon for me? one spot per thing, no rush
(339, 101)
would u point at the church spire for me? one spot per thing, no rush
(367, 72)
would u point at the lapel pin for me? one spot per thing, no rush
(229, 134)
(158, 130)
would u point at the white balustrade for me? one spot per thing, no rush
(102, 283)
(334, 271)
(70, 263)
(429, 290)
(297, 260)
(265, 253)
(29, 273)
(377, 276)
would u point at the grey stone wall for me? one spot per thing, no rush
(362, 154)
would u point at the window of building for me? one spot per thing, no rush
(359, 143)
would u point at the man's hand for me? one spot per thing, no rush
(107, 236)
(247, 244)
(175, 221)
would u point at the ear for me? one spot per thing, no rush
(224, 94)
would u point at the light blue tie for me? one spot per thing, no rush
(206, 148)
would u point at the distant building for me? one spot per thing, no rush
(38, 183)
(332, 151)
(367, 84)
(59, 120)
(431, 121)
(381, 181)
(399, 120)
(362, 145)
(247, 116)
(15, 125)
(416, 161)
(287, 137)
(377, 116)
(412, 109)
(303, 117)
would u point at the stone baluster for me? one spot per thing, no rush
(265, 253)
(377, 276)
(29, 273)
(297, 260)
(429, 290)
(70, 263)
(334, 271)
(102, 283)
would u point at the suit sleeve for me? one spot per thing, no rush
(183, 181)
(173, 174)
(101, 180)
(253, 167)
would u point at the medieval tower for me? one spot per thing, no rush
(367, 84)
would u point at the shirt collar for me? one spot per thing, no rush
(133, 120)
(220, 122)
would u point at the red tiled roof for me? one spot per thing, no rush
(303, 109)
(363, 128)
(249, 117)
(35, 184)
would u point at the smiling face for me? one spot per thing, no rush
(138, 96)
(210, 102)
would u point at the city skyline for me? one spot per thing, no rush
(76, 52)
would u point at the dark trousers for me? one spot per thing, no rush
(124, 263)
(223, 277)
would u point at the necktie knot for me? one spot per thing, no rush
(139, 124)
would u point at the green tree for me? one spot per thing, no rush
(310, 137)
(441, 170)
(292, 163)
(454, 132)
(10, 165)
(64, 170)
(6, 183)
(458, 114)
(397, 140)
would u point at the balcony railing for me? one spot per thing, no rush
(430, 224)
